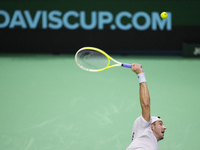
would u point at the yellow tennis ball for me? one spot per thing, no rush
(163, 15)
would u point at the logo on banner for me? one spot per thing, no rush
(73, 20)
(196, 51)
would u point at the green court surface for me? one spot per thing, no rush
(48, 103)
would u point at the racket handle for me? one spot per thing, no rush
(127, 65)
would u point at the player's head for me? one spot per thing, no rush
(158, 128)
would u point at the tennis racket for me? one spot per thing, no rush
(94, 60)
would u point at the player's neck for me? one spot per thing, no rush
(156, 137)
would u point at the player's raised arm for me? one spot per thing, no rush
(144, 92)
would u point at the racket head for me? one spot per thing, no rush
(92, 59)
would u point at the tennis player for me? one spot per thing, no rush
(147, 130)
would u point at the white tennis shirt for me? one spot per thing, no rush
(142, 136)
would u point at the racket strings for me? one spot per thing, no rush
(90, 59)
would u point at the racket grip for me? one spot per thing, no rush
(127, 65)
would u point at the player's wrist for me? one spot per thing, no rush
(141, 77)
(138, 72)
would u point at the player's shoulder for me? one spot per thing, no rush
(140, 118)
(141, 122)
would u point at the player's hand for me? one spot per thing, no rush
(137, 68)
